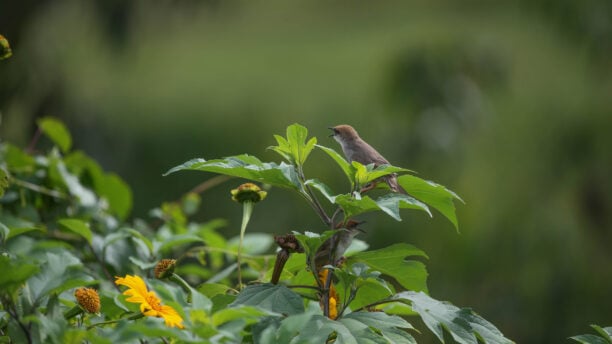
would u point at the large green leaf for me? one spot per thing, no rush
(433, 194)
(354, 328)
(392, 261)
(86, 197)
(275, 298)
(247, 314)
(57, 132)
(347, 168)
(322, 188)
(248, 167)
(77, 226)
(389, 204)
(294, 148)
(300, 149)
(15, 273)
(367, 173)
(174, 241)
(605, 336)
(59, 272)
(465, 326)
(17, 226)
(117, 192)
(392, 328)
(107, 185)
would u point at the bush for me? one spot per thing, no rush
(75, 269)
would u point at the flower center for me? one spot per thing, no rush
(154, 302)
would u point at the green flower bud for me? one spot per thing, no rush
(248, 192)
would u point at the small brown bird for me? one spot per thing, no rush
(340, 241)
(356, 149)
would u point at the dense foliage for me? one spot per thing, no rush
(64, 227)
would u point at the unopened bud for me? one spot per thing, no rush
(248, 192)
(88, 299)
(165, 268)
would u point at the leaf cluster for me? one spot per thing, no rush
(64, 224)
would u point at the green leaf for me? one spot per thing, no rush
(85, 196)
(77, 226)
(605, 332)
(253, 243)
(248, 167)
(389, 204)
(605, 336)
(244, 313)
(322, 188)
(18, 226)
(391, 261)
(16, 159)
(56, 131)
(177, 240)
(140, 237)
(305, 328)
(142, 265)
(433, 194)
(388, 325)
(465, 326)
(4, 232)
(367, 173)
(370, 291)
(275, 298)
(212, 289)
(347, 168)
(300, 149)
(16, 273)
(283, 149)
(589, 339)
(117, 193)
(59, 272)
(311, 242)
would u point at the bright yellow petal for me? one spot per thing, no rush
(171, 317)
(133, 282)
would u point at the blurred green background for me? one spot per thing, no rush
(507, 103)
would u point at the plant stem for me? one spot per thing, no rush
(132, 317)
(72, 312)
(247, 210)
(40, 189)
(312, 198)
(178, 280)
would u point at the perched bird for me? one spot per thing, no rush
(331, 251)
(356, 149)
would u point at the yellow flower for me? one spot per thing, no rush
(248, 192)
(88, 298)
(5, 48)
(333, 295)
(150, 304)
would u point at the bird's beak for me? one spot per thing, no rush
(333, 131)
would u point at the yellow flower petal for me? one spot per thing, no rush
(150, 304)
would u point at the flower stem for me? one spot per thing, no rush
(72, 312)
(178, 280)
(247, 210)
(132, 317)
